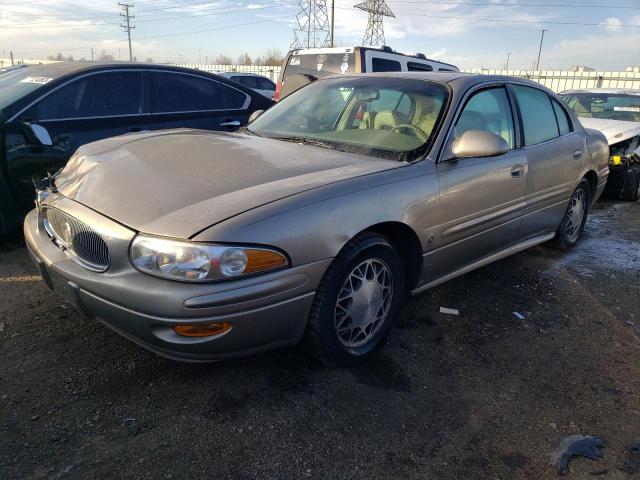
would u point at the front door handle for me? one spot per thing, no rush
(577, 154)
(234, 123)
(517, 171)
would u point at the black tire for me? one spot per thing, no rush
(566, 237)
(631, 189)
(322, 340)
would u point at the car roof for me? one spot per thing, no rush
(242, 74)
(462, 80)
(625, 91)
(61, 69)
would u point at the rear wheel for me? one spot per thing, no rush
(357, 302)
(631, 190)
(575, 217)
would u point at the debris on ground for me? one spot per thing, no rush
(450, 311)
(632, 465)
(586, 446)
(518, 315)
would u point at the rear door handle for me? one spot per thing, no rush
(577, 154)
(234, 123)
(517, 171)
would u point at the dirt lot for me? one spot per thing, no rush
(476, 396)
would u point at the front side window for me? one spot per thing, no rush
(385, 65)
(175, 93)
(97, 95)
(488, 110)
(538, 116)
(373, 116)
(613, 106)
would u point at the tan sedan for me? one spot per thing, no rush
(318, 219)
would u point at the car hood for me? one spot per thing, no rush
(615, 130)
(180, 182)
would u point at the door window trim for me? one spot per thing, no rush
(468, 94)
(79, 77)
(245, 105)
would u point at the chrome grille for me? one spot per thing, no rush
(83, 244)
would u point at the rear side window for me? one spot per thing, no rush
(265, 84)
(488, 110)
(174, 92)
(247, 81)
(538, 118)
(98, 95)
(419, 67)
(385, 65)
(563, 120)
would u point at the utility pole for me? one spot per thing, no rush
(540, 49)
(92, 54)
(126, 16)
(333, 12)
(508, 56)
(11, 55)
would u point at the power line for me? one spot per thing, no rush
(520, 5)
(127, 27)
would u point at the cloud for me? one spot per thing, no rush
(613, 24)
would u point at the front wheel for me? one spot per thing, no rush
(357, 302)
(575, 217)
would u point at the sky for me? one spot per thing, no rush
(604, 35)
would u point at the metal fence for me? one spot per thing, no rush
(558, 80)
(268, 71)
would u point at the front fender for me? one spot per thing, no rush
(316, 224)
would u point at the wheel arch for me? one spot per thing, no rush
(406, 242)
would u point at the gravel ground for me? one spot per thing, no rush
(476, 396)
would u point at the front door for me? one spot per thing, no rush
(481, 199)
(90, 108)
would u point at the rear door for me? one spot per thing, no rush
(191, 101)
(88, 108)
(554, 154)
(481, 199)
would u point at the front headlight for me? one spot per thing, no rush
(198, 262)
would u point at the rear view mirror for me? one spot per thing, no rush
(479, 143)
(367, 94)
(255, 115)
(38, 134)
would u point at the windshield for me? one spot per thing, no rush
(382, 117)
(17, 83)
(613, 106)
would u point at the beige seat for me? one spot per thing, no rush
(388, 120)
(367, 120)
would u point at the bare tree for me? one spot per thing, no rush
(105, 57)
(223, 60)
(273, 57)
(69, 58)
(149, 60)
(244, 59)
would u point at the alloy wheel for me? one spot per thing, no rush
(575, 215)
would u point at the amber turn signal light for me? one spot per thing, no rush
(202, 329)
(261, 260)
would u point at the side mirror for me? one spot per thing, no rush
(38, 134)
(479, 143)
(255, 115)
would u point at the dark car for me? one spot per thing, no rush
(48, 111)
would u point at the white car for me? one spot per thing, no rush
(255, 82)
(616, 113)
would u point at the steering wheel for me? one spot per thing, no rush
(412, 130)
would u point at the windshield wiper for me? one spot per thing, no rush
(305, 141)
(248, 132)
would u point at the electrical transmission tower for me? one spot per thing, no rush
(374, 34)
(126, 26)
(312, 30)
